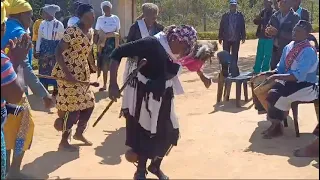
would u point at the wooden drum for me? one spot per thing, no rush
(262, 89)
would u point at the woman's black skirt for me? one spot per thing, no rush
(141, 140)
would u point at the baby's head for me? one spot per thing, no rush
(204, 50)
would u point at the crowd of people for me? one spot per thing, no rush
(66, 61)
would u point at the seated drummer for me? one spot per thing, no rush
(295, 77)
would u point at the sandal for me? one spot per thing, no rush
(157, 172)
(140, 175)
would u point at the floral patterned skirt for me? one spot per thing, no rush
(47, 60)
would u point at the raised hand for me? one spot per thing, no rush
(19, 48)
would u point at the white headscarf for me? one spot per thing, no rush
(51, 9)
(104, 4)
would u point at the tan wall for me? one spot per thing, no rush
(121, 8)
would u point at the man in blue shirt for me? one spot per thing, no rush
(295, 78)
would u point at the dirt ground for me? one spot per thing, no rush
(217, 141)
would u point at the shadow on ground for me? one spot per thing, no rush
(101, 96)
(230, 106)
(113, 147)
(289, 142)
(50, 161)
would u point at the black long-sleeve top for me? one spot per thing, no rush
(159, 65)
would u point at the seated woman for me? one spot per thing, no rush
(295, 78)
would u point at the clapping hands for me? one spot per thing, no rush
(19, 48)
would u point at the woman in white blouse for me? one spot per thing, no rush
(107, 36)
(50, 33)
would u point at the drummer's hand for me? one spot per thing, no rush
(274, 77)
(114, 92)
(257, 75)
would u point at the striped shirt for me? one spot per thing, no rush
(8, 74)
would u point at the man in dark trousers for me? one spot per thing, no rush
(232, 30)
(280, 28)
(302, 12)
(265, 43)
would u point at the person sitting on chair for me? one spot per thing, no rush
(295, 78)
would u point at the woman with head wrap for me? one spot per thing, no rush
(50, 33)
(19, 129)
(74, 100)
(152, 126)
(107, 38)
(144, 26)
(11, 89)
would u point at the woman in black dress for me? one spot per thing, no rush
(153, 129)
(146, 25)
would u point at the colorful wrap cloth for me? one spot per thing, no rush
(182, 33)
(19, 129)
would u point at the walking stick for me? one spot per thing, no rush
(56, 78)
(130, 77)
(94, 84)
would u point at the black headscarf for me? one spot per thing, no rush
(83, 8)
(305, 25)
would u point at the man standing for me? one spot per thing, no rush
(280, 28)
(232, 30)
(265, 43)
(302, 12)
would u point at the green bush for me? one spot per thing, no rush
(315, 28)
(214, 35)
(250, 35)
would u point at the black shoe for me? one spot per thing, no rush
(157, 172)
(140, 175)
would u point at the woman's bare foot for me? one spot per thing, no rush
(265, 131)
(275, 130)
(311, 150)
(65, 146)
(80, 137)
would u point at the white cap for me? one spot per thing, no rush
(233, 2)
(106, 3)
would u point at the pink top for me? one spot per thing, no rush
(191, 64)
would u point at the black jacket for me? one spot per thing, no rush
(305, 15)
(262, 22)
(224, 26)
(284, 35)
